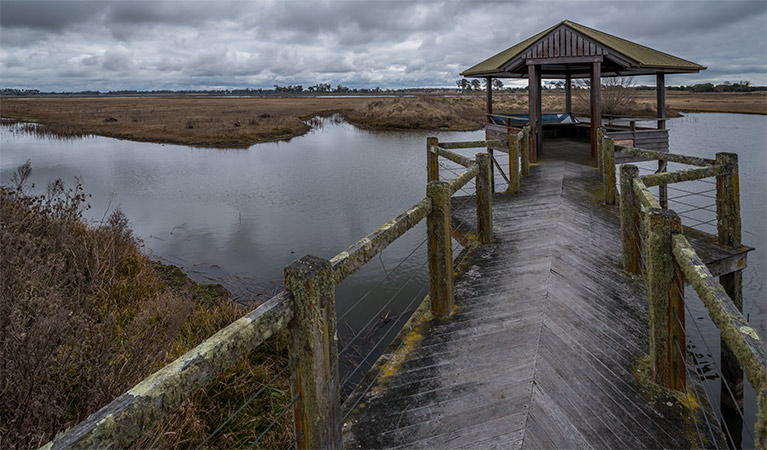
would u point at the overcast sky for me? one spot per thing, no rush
(110, 45)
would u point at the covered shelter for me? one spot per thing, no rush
(570, 51)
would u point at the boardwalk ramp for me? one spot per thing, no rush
(547, 347)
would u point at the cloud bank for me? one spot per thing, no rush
(112, 45)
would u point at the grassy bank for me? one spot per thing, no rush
(85, 315)
(241, 122)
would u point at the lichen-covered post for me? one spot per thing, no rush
(729, 233)
(600, 152)
(665, 284)
(440, 252)
(514, 145)
(314, 346)
(432, 160)
(608, 149)
(629, 219)
(484, 199)
(663, 188)
(526, 151)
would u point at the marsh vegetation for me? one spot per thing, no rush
(222, 122)
(85, 315)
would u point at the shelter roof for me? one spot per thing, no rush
(569, 47)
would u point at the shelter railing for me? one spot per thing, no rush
(306, 309)
(655, 247)
(518, 149)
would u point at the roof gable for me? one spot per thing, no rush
(569, 40)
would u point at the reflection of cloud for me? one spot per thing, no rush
(174, 44)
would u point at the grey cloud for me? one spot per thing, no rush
(47, 14)
(193, 44)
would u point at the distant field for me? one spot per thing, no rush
(241, 122)
(730, 102)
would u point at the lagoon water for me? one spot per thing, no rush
(239, 216)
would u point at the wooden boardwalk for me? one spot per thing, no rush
(545, 349)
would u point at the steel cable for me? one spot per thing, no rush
(263, 433)
(687, 397)
(253, 397)
(372, 350)
(719, 374)
(377, 314)
(410, 331)
(382, 280)
(295, 441)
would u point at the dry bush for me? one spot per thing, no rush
(618, 96)
(84, 315)
(420, 113)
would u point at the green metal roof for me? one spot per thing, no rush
(646, 57)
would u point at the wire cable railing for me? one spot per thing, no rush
(244, 405)
(413, 324)
(275, 421)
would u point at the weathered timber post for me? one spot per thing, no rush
(440, 252)
(608, 148)
(729, 233)
(665, 293)
(526, 151)
(629, 219)
(432, 160)
(314, 346)
(663, 188)
(596, 105)
(485, 199)
(568, 94)
(660, 106)
(515, 142)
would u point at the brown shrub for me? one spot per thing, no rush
(84, 316)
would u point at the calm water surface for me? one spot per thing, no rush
(239, 216)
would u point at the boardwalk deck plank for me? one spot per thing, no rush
(542, 348)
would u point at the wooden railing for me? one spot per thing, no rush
(654, 246)
(307, 309)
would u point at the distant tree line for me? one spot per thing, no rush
(475, 85)
(742, 86)
(463, 85)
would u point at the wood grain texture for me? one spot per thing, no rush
(541, 349)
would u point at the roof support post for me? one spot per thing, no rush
(568, 94)
(534, 108)
(596, 105)
(538, 113)
(489, 95)
(660, 88)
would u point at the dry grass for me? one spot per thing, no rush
(208, 122)
(84, 316)
(241, 122)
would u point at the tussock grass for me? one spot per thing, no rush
(85, 315)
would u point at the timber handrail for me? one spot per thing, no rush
(665, 156)
(671, 261)
(351, 259)
(472, 144)
(123, 420)
(681, 176)
(452, 156)
(742, 339)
